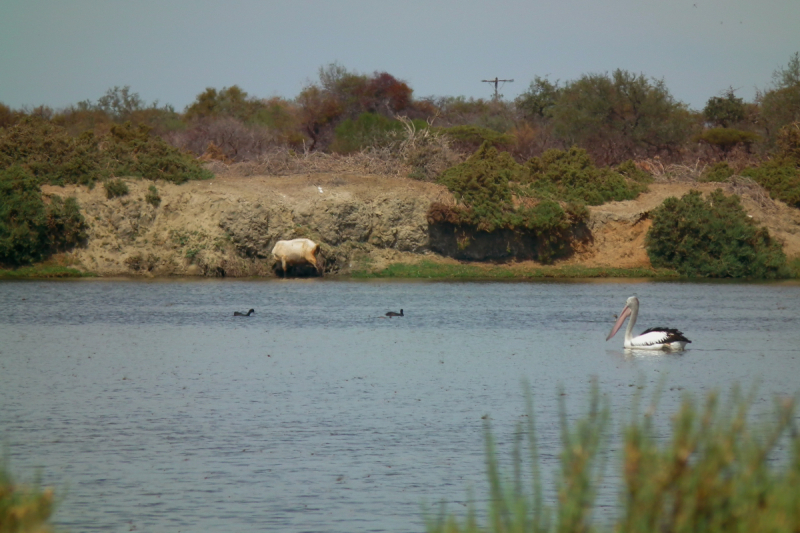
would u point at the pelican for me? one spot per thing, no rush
(666, 339)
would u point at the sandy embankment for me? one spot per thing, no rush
(228, 225)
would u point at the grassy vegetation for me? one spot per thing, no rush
(43, 271)
(23, 509)
(715, 472)
(453, 271)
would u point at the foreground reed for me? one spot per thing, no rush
(23, 509)
(716, 472)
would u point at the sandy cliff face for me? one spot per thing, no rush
(227, 226)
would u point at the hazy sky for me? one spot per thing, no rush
(59, 52)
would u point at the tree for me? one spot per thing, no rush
(120, 103)
(229, 102)
(536, 103)
(724, 111)
(619, 117)
(780, 105)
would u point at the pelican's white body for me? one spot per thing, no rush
(665, 339)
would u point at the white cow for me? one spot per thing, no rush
(297, 252)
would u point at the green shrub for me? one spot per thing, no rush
(138, 153)
(152, 196)
(712, 238)
(780, 177)
(719, 172)
(572, 177)
(51, 155)
(367, 130)
(469, 138)
(482, 184)
(115, 188)
(726, 138)
(30, 230)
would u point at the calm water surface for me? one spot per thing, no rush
(152, 408)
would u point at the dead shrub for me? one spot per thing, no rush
(232, 139)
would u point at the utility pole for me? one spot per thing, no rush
(496, 82)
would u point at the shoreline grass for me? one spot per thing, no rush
(461, 271)
(44, 272)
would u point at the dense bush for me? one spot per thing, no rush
(31, 230)
(725, 139)
(367, 130)
(469, 138)
(488, 203)
(341, 95)
(51, 155)
(115, 188)
(781, 174)
(572, 177)
(712, 238)
(721, 171)
(152, 197)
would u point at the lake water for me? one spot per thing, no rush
(151, 408)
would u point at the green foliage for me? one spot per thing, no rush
(619, 116)
(483, 185)
(715, 472)
(712, 238)
(50, 154)
(719, 172)
(482, 182)
(115, 188)
(781, 177)
(572, 177)
(152, 197)
(23, 509)
(31, 230)
(724, 111)
(545, 198)
(726, 138)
